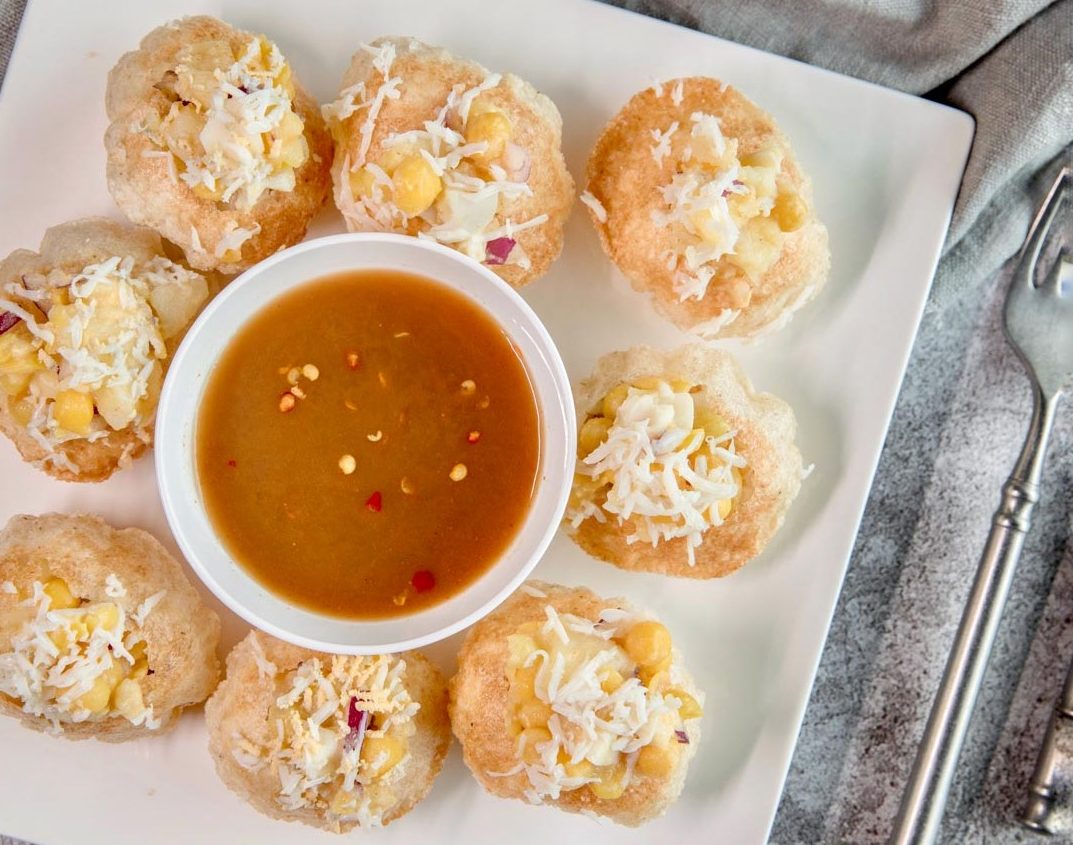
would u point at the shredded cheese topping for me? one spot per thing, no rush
(455, 192)
(87, 356)
(232, 132)
(73, 664)
(711, 200)
(658, 472)
(601, 713)
(338, 733)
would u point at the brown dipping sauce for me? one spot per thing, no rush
(429, 399)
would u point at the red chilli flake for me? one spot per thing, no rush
(375, 502)
(473, 437)
(423, 581)
(8, 321)
(353, 360)
(232, 463)
(682, 737)
(358, 721)
(497, 250)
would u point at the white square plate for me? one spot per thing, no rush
(886, 168)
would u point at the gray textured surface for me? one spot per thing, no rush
(955, 433)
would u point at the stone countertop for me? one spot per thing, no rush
(957, 428)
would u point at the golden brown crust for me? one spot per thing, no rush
(143, 188)
(240, 706)
(71, 247)
(626, 179)
(766, 429)
(480, 706)
(181, 632)
(428, 74)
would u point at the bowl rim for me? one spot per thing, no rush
(169, 430)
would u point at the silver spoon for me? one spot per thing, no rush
(1039, 326)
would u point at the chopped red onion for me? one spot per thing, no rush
(8, 321)
(357, 720)
(517, 163)
(682, 737)
(497, 250)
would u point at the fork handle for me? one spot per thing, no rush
(921, 812)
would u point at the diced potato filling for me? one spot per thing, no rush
(231, 125)
(90, 650)
(341, 729)
(541, 726)
(703, 425)
(93, 360)
(732, 210)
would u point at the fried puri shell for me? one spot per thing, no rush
(70, 247)
(181, 633)
(626, 179)
(143, 187)
(480, 704)
(428, 74)
(766, 429)
(239, 707)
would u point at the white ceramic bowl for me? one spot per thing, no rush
(181, 399)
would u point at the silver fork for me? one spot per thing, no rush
(1039, 326)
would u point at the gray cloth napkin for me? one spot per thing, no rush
(1009, 63)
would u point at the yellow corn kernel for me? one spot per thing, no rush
(376, 747)
(416, 185)
(204, 192)
(128, 699)
(656, 676)
(95, 699)
(611, 681)
(531, 738)
(492, 128)
(613, 400)
(59, 638)
(59, 594)
(60, 296)
(73, 411)
(656, 761)
(648, 643)
(690, 708)
(104, 615)
(790, 212)
(141, 660)
(534, 714)
(714, 425)
(593, 433)
(582, 769)
(723, 508)
(612, 783)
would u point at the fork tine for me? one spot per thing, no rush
(1060, 277)
(1037, 234)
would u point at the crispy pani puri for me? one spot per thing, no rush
(400, 737)
(691, 179)
(95, 576)
(114, 421)
(758, 427)
(396, 85)
(226, 212)
(498, 704)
